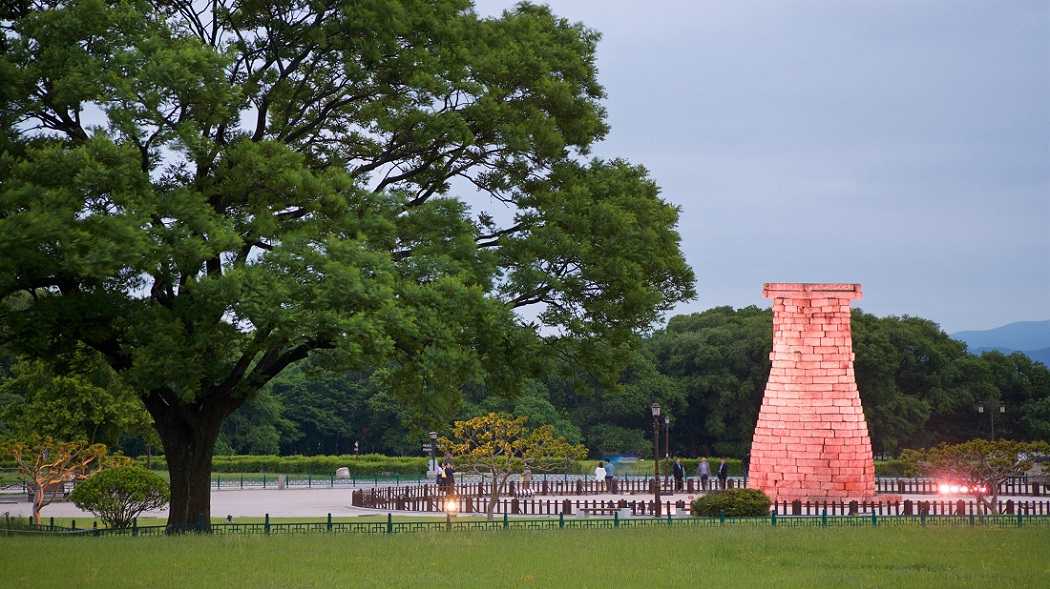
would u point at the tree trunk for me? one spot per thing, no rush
(494, 495)
(188, 432)
(38, 504)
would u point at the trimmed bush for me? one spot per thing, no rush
(734, 502)
(118, 495)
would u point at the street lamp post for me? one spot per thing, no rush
(993, 406)
(667, 448)
(656, 452)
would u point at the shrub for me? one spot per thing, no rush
(734, 502)
(118, 495)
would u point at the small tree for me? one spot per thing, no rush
(48, 464)
(979, 465)
(118, 495)
(499, 444)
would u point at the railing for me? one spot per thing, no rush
(1017, 486)
(451, 523)
(475, 499)
(909, 507)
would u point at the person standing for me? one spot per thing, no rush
(679, 474)
(723, 474)
(599, 475)
(610, 480)
(703, 470)
(450, 478)
(526, 478)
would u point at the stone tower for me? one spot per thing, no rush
(811, 440)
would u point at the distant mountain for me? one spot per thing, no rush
(1029, 337)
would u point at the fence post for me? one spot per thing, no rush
(389, 523)
(266, 524)
(200, 523)
(616, 519)
(94, 528)
(561, 520)
(505, 520)
(329, 522)
(874, 522)
(135, 527)
(824, 517)
(773, 515)
(721, 517)
(218, 482)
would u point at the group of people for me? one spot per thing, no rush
(446, 478)
(604, 477)
(603, 474)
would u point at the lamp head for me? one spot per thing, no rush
(656, 409)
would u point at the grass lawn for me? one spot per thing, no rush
(750, 557)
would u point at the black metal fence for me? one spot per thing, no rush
(451, 524)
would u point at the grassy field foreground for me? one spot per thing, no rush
(578, 559)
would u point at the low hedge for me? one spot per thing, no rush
(368, 464)
(373, 464)
(731, 502)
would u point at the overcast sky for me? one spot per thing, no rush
(904, 146)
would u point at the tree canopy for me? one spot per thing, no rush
(48, 464)
(207, 193)
(500, 444)
(978, 466)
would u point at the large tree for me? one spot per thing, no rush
(206, 193)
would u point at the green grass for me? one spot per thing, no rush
(593, 558)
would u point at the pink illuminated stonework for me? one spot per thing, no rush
(811, 441)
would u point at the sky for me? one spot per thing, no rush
(900, 145)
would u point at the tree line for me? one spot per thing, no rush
(707, 370)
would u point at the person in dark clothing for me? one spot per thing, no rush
(679, 474)
(450, 479)
(723, 474)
